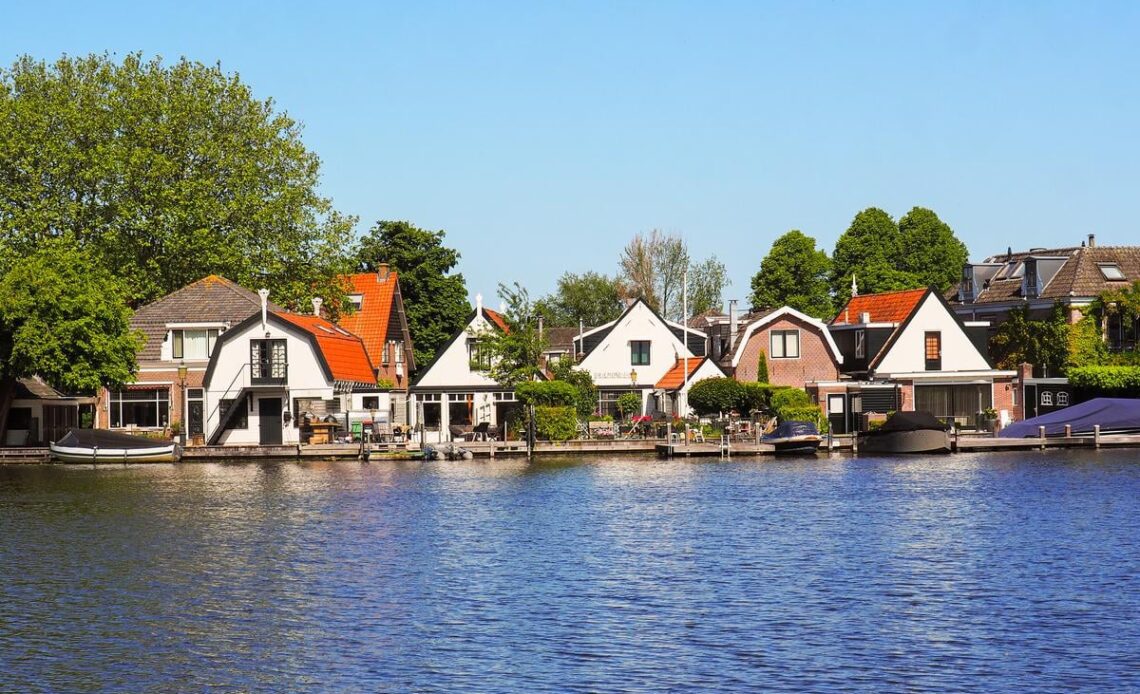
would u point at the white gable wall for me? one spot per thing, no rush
(908, 352)
(306, 379)
(609, 363)
(453, 368)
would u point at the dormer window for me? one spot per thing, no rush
(193, 344)
(357, 301)
(1111, 271)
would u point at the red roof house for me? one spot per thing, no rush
(379, 319)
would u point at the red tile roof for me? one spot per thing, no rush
(675, 376)
(885, 307)
(497, 318)
(343, 351)
(371, 321)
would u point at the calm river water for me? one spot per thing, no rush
(974, 572)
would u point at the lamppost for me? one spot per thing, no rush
(182, 396)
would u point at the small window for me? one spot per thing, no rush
(371, 402)
(784, 344)
(639, 352)
(357, 300)
(1046, 397)
(1111, 271)
(933, 350)
(1013, 397)
(478, 355)
(385, 357)
(1062, 399)
(860, 344)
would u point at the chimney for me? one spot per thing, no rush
(479, 304)
(733, 324)
(317, 301)
(382, 272)
(540, 327)
(264, 294)
(1092, 240)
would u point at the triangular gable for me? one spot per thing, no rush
(904, 351)
(768, 319)
(451, 366)
(604, 329)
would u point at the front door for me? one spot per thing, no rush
(837, 413)
(269, 416)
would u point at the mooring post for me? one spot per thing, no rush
(855, 443)
(1096, 436)
(1068, 431)
(1041, 436)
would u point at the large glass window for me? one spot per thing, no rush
(607, 401)
(460, 408)
(431, 410)
(194, 344)
(141, 408)
(960, 402)
(784, 344)
(639, 352)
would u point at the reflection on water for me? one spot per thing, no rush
(979, 572)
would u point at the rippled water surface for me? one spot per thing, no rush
(973, 572)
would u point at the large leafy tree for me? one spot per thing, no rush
(63, 316)
(1043, 343)
(928, 249)
(652, 267)
(592, 297)
(869, 250)
(435, 298)
(794, 273)
(164, 174)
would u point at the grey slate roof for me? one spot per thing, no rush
(1079, 276)
(210, 299)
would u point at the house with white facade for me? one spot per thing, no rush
(908, 350)
(633, 353)
(453, 394)
(275, 371)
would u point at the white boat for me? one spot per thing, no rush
(101, 446)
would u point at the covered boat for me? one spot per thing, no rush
(101, 446)
(907, 432)
(794, 437)
(1114, 415)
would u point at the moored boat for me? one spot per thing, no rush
(1112, 415)
(794, 437)
(907, 432)
(101, 446)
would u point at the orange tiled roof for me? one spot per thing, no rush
(371, 321)
(885, 307)
(497, 318)
(343, 351)
(675, 376)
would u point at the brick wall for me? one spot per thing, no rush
(815, 362)
(160, 379)
(1004, 389)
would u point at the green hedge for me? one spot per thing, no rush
(803, 413)
(556, 423)
(1111, 379)
(548, 393)
(714, 395)
(789, 397)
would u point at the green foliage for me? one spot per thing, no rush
(789, 397)
(713, 395)
(63, 316)
(547, 393)
(435, 299)
(762, 367)
(592, 297)
(869, 250)
(652, 267)
(803, 413)
(517, 352)
(628, 404)
(586, 401)
(929, 251)
(794, 273)
(707, 280)
(1106, 379)
(1085, 344)
(755, 397)
(385, 384)
(1043, 343)
(163, 174)
(555, 423)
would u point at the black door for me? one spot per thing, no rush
(195, 419)
(837, 413)
(269, 414)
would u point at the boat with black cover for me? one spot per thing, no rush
(794, 437)
(102, 446)
(907, 432)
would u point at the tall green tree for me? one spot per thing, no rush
(63, 316)
(592, 297)
(515, 354)
(928, 249)
(435, 298)
(164, 174)
(652, 267)
(869, 250)
(794, 273)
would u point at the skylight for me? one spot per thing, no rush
(1111, 271)
(357, 300)
(326, 330)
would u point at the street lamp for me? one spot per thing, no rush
(633, 377)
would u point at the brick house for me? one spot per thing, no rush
(908, 350)
(180, 331)
(798, 349)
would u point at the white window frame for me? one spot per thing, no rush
(1047, 397)
(860, 344)
(1108, 269)
(1062, 399)
(782, 353)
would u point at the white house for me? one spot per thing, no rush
(633, 353)
(267, 373)
(453, 393)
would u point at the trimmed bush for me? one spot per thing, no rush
(628, 403)
(714, 395)
(1107, 379)
(556, 423)
(803, 413)
(762, 368)
(789, 397)
(547, 393)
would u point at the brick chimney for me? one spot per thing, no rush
(1092, 240)
(382, 272)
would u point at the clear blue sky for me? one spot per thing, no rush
(542, 136)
